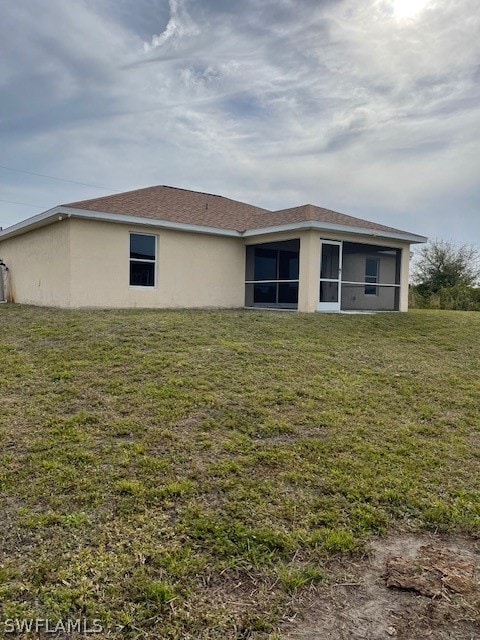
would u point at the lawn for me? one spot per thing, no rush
(189, 474)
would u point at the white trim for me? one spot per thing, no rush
(330, 226)
(270, 281)
(148, 222)
(143, 261)
(369, 284)
(59, 212)
(331, 306)
(40, 220)
(141, 287)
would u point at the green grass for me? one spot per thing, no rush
(188, 474)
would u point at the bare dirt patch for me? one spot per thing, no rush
(409, 587)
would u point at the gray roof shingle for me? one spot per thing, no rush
(172, 204)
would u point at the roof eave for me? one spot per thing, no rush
(60, 212)
(35, 222)
(331, 226)
(148, 222)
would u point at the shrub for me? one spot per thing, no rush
(459, 297)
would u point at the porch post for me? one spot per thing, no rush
(404, 277)
(309, 272)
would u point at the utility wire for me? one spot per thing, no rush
(24, 204)
(42, 175)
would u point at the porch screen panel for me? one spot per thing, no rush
(265, 292)
(272, 275)
(329, 271)
(328, 291)
(266, 264)
(370, 277)
(330, 261)
(288, 265)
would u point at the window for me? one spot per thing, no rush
(142, 260)
(371, 275)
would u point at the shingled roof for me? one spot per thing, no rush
(319, 214)
(172, 204)
(177, 205)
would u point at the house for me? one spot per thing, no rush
(166, 247)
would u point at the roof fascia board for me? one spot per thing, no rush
(331, 226)
(147, 222)
(49, 216)
(40, 220)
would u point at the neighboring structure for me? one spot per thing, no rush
(3, 271)
(167, 247)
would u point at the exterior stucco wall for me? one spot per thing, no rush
(192, 270)
(39, 266)
(404, 277)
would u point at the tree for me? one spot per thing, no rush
(441, 264)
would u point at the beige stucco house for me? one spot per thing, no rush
(167, 247)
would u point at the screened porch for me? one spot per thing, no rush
(351, 276)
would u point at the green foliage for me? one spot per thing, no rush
(460, 297)
(230, 539)
(158, 592)
(128, 487)
(334, 540)
(294, 577)
(441, 265)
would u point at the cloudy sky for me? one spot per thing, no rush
(369, 107)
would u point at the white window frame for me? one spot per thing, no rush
(377, 277)
(154, 262)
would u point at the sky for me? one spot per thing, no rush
(371, 108)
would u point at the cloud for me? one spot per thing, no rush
(179, 27)
(340, 103)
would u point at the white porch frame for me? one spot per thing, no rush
(331, 306)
